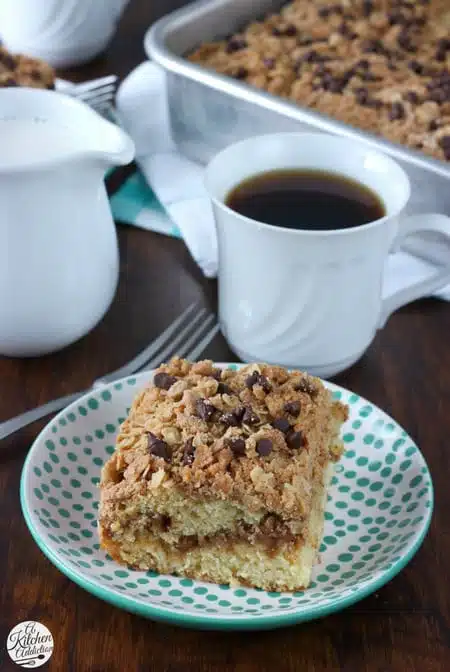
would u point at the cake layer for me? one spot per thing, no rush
(278, 562)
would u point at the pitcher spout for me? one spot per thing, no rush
(112, 145)
(46, 129)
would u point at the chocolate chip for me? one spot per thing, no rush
(292, 407)
(235, 44)
(313, 56)
(344, 30)
(322, 70)
(362, 96)
(396, 112)
(441, 78)
(444, 143)
(372, 47)
(288, 31)
(264, 447)
(363, 63)
(370, 77)
(282, 424)
(166, 523)
(323, 12)
(269, 63)
(367, 7)
(158, 447)
(188, 453)
(433, 125)
(205, 409)
(258, 379)
(233, 418)
(217, 374)
(237, 446)
(440, 96)
(163, 381)
(305, 385)
(416, 67)
(7, 60)
(404, 41)
(295, 440)
(250, 417)
(252, 379)
(441, 54)
(229, 419)
(241, 73)
(444, 44)
(412, 97)
(336, 85)
(223, 388)
(396, 18)
(10, 81)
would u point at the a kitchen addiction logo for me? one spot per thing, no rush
(30, 644)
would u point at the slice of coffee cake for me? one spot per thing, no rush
(222, 475)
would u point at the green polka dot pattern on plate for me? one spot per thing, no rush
(379, 504)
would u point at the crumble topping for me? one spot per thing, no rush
(20, 70)
(259, 436)
(380, 65)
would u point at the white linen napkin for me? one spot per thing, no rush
(178, 181)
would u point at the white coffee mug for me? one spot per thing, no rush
(304, 298)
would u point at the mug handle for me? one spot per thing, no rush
(435, 223)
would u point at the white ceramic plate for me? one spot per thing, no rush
(379, 509)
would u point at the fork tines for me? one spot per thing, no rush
(190, 341)
(97, 93)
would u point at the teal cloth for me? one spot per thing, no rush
(135, 203)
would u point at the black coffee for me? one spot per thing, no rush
(306, 199)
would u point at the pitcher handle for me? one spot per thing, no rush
(413, 224)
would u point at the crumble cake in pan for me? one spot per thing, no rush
(379, 65)
(221, 475)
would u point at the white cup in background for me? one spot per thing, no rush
(65, 33)
(305, 298)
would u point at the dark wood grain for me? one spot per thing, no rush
(406, 626)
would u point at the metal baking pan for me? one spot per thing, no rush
(209, 111)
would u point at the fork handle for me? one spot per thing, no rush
(10, 426)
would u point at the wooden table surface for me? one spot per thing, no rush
(405, 626)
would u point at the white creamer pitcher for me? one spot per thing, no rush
(59, 261)
(63, 32)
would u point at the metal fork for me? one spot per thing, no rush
(97, 93)
(187, 336)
